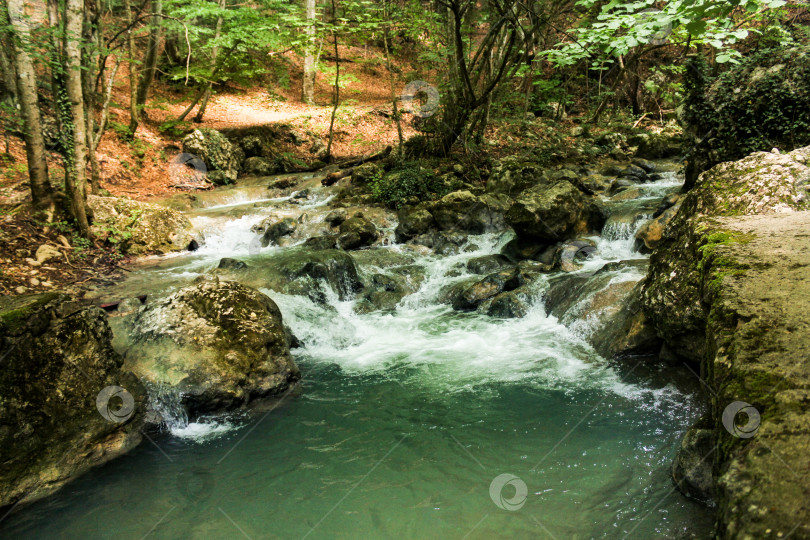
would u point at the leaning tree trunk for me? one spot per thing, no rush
(308, 84)
(75, 177)
(27, 94)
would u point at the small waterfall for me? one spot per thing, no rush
(165, 407)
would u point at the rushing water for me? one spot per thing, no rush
(404, 421)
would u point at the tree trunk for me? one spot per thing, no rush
(27, 93)
(308, 84)
(133, 75)
(9, 74)
(91, 31)
(214, 53)
(75, 177)
(393, 91)
(337, 84)
(149, 61)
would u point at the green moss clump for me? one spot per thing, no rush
(16, 310)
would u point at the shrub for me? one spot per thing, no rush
(400, 186)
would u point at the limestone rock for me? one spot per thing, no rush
(57, 359)
(357, 232)
(218, 153)
(139, 228)
(551, 214)
(762, 183)
(464, 212)
(219, 343)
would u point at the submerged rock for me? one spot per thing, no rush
(219, 343)
(56, 418)
(139, 228)
(336, 217)
(274, 228)
(692, 468)
(226, 263)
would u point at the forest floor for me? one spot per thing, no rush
(140, 168)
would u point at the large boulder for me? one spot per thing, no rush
(761, 183)
(273, 228)
(461, 211)
(413, 221)
(488, 287)
(304, 270)
(554, 213)
(357, 232)
(650, 234)
(66, 405)
(139, 228)
(659, 146)
(366, 173)
(218, 153)
(510, 177)
(218, 343)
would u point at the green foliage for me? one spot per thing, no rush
(408, 183)
(761, 103)
(620, 27)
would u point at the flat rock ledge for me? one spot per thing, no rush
(756, 287)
